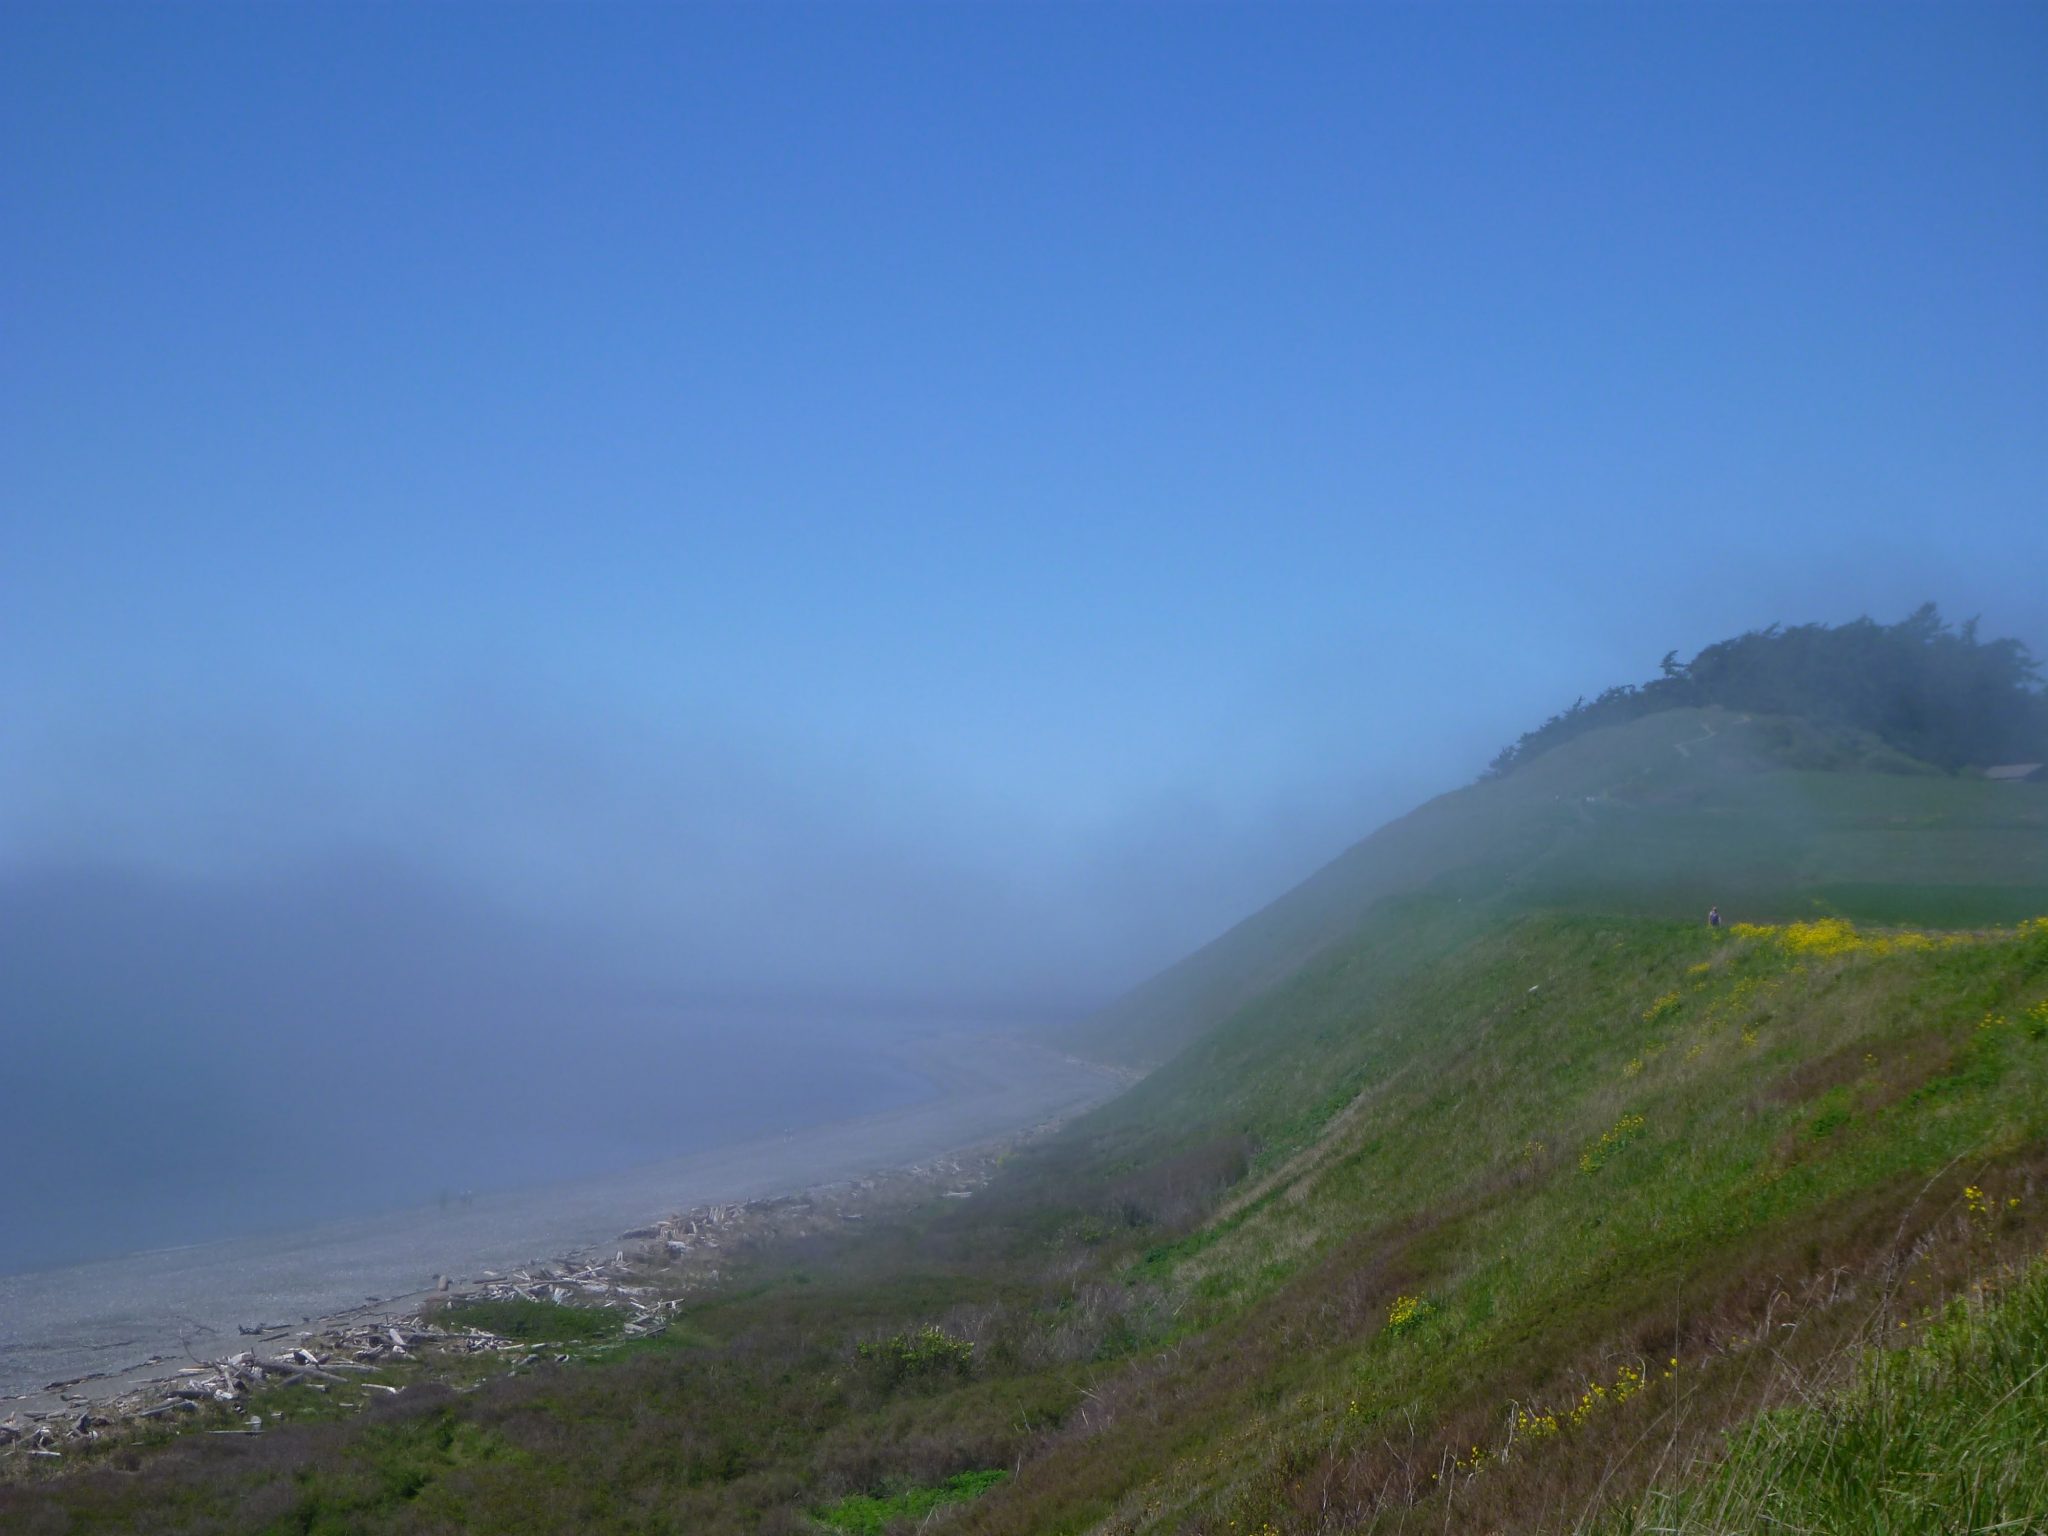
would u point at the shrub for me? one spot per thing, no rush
(865, 1515)
(534, 1322)
(929, 1352)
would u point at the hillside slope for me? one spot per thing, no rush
(1488, 1190)
(1767, 816)
(1543, 1214)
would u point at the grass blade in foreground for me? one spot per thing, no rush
(1948, 1435)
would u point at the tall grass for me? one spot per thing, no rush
(1947, 1435)
(869, 1515)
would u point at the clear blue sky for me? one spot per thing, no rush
(952, 497)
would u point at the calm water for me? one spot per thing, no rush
(111, 1314)
(191, 1135)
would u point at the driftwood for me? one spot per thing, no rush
(646, 1281)
(298, 1372)
(173, 1405)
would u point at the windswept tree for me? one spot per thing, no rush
(1934, 691)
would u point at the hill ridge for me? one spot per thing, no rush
(1758, 813)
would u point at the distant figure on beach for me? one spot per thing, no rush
(1713, 917)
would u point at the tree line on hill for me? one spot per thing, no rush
(1934, 691)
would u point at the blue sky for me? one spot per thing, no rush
(957, 499)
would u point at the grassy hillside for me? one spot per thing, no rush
(1490, 1191)
(1551, 1246)
(1537, 1201)
(1770, 817)
(1941, 1435)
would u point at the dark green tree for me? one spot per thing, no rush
(1935, 692)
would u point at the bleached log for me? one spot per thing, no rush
(296, 1371)
(175, 1405)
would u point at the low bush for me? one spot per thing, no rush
(535, 1322)
(866, 1515)
(928, 1352)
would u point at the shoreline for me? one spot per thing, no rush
(993, 1089)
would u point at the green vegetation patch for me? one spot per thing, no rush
(1928, 691)
(929, 1351)
(865, 1515)
(536, 1322)
(1944, 1436)
(1476, 1213)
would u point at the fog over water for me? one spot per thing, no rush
(210, 1059)
(568, 583)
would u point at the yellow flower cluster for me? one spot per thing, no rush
(1632, 1068)
(1405, 1313)
(1468, 1464)
(1629, 1381)
(1612, 1140)
(1660, 1007)
(1822, 937)
(1982, 1206)
(1826, 937)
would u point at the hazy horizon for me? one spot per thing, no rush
(905, 512)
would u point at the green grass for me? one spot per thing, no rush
(1643, 1181)
(1947, 1435)
(1580, 1181)
(1484, 1172)
(866, 1515)
(1621, 820)
(534, 1322)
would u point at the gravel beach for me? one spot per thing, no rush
(84, 1332)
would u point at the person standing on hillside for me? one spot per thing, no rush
(1713, 917)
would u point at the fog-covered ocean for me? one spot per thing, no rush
(252, 1101)
(167, 1139)
(539, 1160)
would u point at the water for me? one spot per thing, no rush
(170, 1139)
(865, 1111)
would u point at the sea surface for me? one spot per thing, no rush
(573, 1161)
(143, 1143)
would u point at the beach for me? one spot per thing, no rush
(86, 1332)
